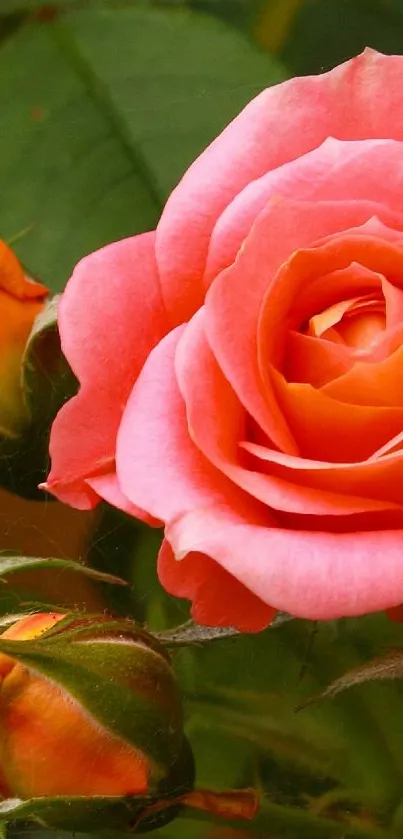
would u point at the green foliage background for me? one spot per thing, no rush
(104, 103)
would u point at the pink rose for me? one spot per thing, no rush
(243, 365)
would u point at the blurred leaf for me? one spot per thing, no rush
(193, 633)
(38, 583)
(73, 813)
(248, 688)
(10, 564)
(273, 23)
(10, 21)
(115, 106)
(324, 34)
(389, 666)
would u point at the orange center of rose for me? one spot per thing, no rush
(330, 344)
(356, 323)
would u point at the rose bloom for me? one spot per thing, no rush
(241, 367)
(21, 300)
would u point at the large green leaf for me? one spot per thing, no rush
(115, 105)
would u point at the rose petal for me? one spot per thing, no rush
(330, 430)
(315, 361)
(394, 304)
(348, 102)
(218, 598)
(111, 315)
(107, 487)
(379, 384)
(154, 449)
(378, 477)
(218, 433)
(364, 170)
(396, 614)
(312, 575)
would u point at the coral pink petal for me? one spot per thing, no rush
(379, 477)
(76, 494)
(349, 103)
(159, 468)
(313, 575)
(111, 315)
(107, 487)
(218, 434)
(218, 599)
(364, 170)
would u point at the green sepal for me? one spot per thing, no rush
(47, 379)
(46, 383)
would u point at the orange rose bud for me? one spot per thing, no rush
(91, 708)
(21, 300)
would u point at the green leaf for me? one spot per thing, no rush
(115, 106)
(193, 633)
(22, 579)
(389, 666)
(85, 814)
(10, 564)
(247, 689)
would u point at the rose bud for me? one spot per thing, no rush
(21, 300)
(89, 709)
